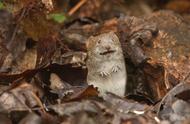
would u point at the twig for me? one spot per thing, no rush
(76, 7)
(16, 29)
(186, 77)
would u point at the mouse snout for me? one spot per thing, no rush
(107, 48)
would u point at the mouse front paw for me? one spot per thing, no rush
(115, 68)
(104, 74)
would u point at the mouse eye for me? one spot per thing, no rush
(99, 41)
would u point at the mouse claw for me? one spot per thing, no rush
(115, 68)
(103, 73)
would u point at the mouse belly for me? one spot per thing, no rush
(114, 83)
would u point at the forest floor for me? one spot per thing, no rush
(43, 73)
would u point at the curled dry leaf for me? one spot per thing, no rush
(20, 98)
(77, 92)
(79, 112)
(172, 107)
(126, 106)
(67, 92)
(74, 107)
(56, 82)
(77, 59)
(15, 57)
(75, 40)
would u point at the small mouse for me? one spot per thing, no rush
(105, 63)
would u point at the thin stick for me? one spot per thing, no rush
(76, 7)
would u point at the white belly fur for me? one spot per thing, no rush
(114, 83)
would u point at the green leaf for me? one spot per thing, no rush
(1, 5)
(57, 17)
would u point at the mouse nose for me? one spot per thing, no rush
(108, 47)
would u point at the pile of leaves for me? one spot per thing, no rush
(43, 69)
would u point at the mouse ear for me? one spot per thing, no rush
(90, 39)
(114, 36)
(112, 33)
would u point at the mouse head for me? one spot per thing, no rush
(103, 44)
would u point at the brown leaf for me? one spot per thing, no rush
(74, 107)
(45, 51)
(19, 98)
(126, 106)
(181, 6)
(77, 92)
(173, 108)
(77, 59)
